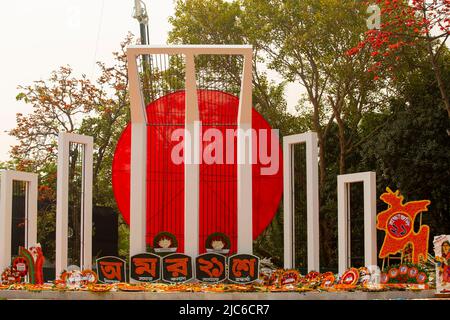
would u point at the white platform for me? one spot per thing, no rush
(55, 295)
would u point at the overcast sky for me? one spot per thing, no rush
(38, 36)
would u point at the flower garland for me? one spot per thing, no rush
(406, 273)
(396, 277)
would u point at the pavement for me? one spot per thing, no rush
(86, 295)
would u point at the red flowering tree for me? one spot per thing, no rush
(421, 24)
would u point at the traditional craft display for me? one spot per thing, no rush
(398, 224)
(442, 257)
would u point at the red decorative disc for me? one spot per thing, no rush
(403, 269)
(384, 278)
(421, 277)
(20, 265)
(393, 273)
(399, 225)
(350, 277)
(218, 181)
(413, 272)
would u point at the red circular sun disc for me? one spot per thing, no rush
(218, 181)
(399, 225)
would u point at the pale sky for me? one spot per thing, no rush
(38, 36)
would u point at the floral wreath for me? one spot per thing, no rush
(289, 277)
(165, 242)
(218, 236)
(405, 273)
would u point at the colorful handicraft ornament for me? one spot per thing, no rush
(442, 257)
(34, 259)
(398, 223)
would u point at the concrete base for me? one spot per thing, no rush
(85, 295)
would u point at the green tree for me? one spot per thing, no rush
(411, 153)
(67, 103)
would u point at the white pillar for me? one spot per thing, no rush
(6, 197)
(244, 157)
(370, 215)
(312, 199)
(62, 201)
(192, 160)
(138, 165)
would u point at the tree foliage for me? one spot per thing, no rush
(420, 24)
(67, 103)
(412, 152)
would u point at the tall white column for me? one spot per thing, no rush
(244, 157)
(62, 201)
(192, 160)
(138, 165)
(312, 199)
(288, 206)
(6, 211)
(312, 194)
(370, 216)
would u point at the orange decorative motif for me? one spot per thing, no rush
(145, 265)
(240, 265)
(177, 266)
(213, 268)
(111, 270)
(398, 223)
